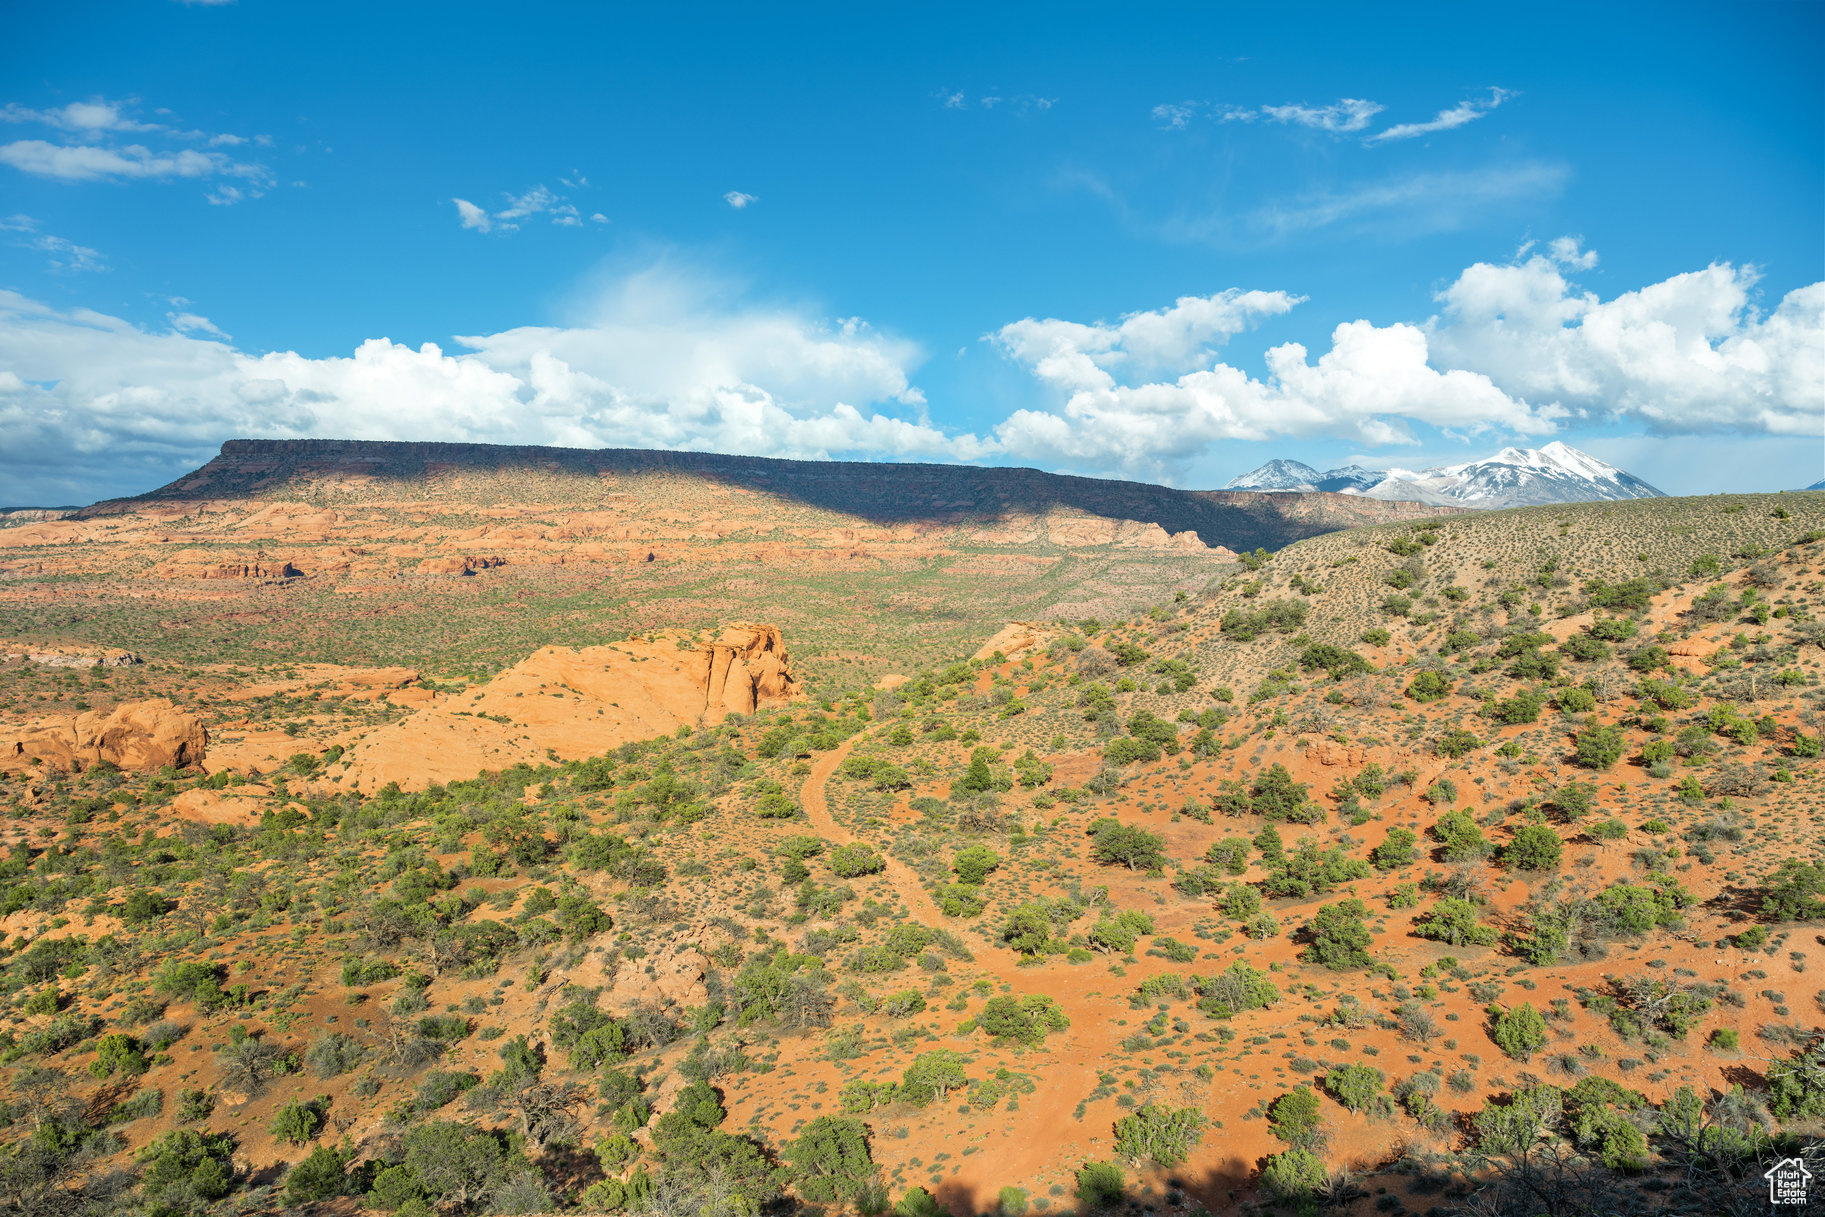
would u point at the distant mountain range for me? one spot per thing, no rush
(1513, 477)
(1818, 485)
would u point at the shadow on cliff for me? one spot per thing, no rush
(885, 493)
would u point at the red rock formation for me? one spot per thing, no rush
(458, 566)
(142, 735)
(248, 570)
(580, 702)
(1018, 639)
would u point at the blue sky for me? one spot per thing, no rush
(1065, 236)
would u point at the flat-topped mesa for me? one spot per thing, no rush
(572, 703)
(326, 473)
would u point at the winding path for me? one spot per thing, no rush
(902, 878)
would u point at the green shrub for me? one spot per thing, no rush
(1308, 870)
(1519, 1031)
(1024, 1020)
(960, 900)
(1355, 1086)
(118, 1053)
(932, 1076)
(1295, 1116)
(1429, 685)
(1339, 936)
(332, 1054)
(1611, 1137)
(455, 1163)
(830, 1161)
(186, 1165)
(1100, 1184)
(1795, 891)
(1118, 933)
(1113, 843)
(297, 1123)
(1599, 747)
(322, 1174)
(1462, 838)
(1511, 1130)
(1162, 1135)
(856, 859)
(1339, 662)
(1396, 849)
(1295, 1176)
(1796, 1086)
(1455, 921)
(1458, 742)
(973, 864)
(1535, 847)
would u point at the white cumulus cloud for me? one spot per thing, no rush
(1367, 386)
(1516, 350)
(1691, 353)
(88, 400)
(92, 404)
(738, 200)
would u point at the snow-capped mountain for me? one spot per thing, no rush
(1350, 479)
(1818, 485)
(1513, 477)
(1278, 475)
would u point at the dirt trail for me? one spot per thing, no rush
(900, 877)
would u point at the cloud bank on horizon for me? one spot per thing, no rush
(1516, 349)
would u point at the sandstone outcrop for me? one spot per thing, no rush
(580, 702)
(458, 566)
(1330, 753)
(1018, 639)
(673, 976)
(246, 570)
(241, 806)
(141, 735)
(67, 656)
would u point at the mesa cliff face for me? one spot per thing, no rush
(879, 492)
(478, 555)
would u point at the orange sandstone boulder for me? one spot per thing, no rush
(575, 703)
(1018, 639)
(142, 735)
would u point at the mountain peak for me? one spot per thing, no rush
(1277, 475)
(1514, 477)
